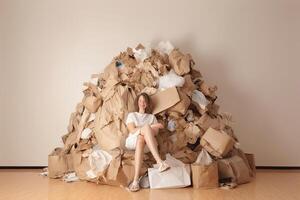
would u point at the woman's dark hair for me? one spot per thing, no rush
(148, 102)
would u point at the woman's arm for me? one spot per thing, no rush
(131, 127)
(157, 126)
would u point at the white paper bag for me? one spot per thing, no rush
(99, 161)
(179, 175)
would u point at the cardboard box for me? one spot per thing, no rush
(217, 143)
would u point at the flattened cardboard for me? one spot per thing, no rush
(163, 100)
(183, 105)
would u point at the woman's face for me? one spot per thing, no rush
(142, 103)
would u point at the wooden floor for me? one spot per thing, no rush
(28, 184)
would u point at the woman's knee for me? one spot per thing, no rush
(146, 128)
(141, 139)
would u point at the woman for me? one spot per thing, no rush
(143, 127)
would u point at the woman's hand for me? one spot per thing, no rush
(157, 126)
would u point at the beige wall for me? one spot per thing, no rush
(250, 49)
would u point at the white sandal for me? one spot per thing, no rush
(134, 186)
(163, 167)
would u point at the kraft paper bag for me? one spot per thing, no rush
(208, 90)
(234, 168)
(57, 163)
(189, 85)
(165, 99)
(206, 121)
(112, 136)
(251, 160)
(205, 176)
(92, 103)
(70, 163)
(192, 132)
(119, 173)
(217, 143)
(239, 152)
(180, 62)
(81, 164)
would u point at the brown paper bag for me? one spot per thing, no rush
(124, 175)
(81, 164)
(92, 103)
(251, 160)
(111, 136)
(57, 163)
(115, 106)
(234, 168)
(205, 121)
(69, 162)
(70, 140)
(241, 154)
(192, 132)
(188, 86)
(217, 143)
(205, 176)
(180, 62)
(208, 90)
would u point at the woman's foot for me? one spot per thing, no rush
(134, 186)
(163, 166)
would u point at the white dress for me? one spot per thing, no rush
(139, 120)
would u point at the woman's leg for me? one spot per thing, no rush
(151, 142)
(138, 157)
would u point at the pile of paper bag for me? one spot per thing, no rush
(182, 101)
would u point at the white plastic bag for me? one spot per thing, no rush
(171, 125)
(170, 80)
(86, 133)
(204, 158)
(141, 54)
(200, 99)
(165, 47)
(189, 116)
